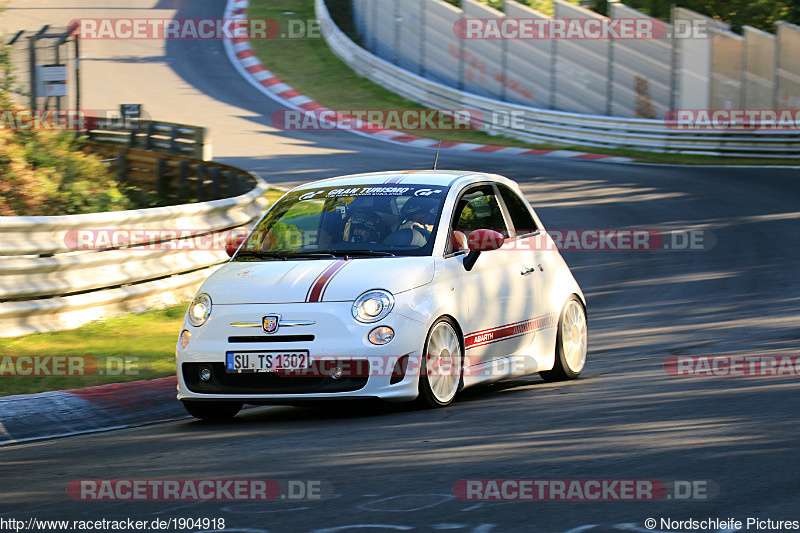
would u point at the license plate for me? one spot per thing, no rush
(266, 361)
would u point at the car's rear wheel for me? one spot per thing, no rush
(214, 411)
(571, 343)
(441, 368)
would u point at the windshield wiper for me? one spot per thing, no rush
(367, 253)
(285, 256)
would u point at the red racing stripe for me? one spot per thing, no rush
(320, 284)
(508, 331)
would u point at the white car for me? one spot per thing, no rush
(398, 286)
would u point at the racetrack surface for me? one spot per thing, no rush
(394, 468)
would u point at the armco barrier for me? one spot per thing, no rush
(540, 125)
(49, 280)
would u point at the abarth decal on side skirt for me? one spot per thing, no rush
(509, 331)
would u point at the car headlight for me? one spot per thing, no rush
(199, 310)
(373, 306)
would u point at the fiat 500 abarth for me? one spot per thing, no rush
(398, 286)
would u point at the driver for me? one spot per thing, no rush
(418, 213)
(366, 227)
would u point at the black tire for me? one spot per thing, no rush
(563, 369)
(212, 411)
(428, 398)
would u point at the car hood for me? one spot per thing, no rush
(333, 280)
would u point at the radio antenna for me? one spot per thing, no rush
(436, 160)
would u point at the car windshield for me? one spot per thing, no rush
(381, 220)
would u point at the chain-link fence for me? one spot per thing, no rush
(44, 68)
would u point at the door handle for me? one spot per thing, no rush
(527, 271)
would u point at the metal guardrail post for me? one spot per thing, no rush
(200, 144)
(215, 178)
(148, 140)
(173, 137)
(132, 136)
(201, 178)
(183, 183)
(231, 182)
(32, 67)
(161, 172)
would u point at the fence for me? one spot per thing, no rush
(173, 179)
(49, 46)
(58, 273)
(541, 125)
(162, 137)
(698, 64)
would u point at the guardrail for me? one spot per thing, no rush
(541, 125)
(59, 272)
(161, 137)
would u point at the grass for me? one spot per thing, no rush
(127, 348)
(311, 68)
(130, 347)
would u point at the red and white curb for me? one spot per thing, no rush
(245, 61)
(29, 417)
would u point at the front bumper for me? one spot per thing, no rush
(335, 340)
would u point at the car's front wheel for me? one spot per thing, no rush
(442, 360)
(214, 411)
(571, 343)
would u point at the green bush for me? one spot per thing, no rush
(44, 172)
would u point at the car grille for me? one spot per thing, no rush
(271, 338)
(222, 382)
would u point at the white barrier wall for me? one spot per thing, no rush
(411, 15)
(727, 69)
(541, 125)
(787, 74)
(529, 63)
(483, 60)
(442, 48)
(581, 67)
(759, 69)
(384, 25)
(697, 64)
(641, 70)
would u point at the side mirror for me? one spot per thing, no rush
(482, 240)
(485, 240)
(233, 244)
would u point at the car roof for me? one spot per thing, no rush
(438, 178)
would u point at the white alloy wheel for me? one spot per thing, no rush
(441, 377)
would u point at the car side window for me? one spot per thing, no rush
(478, 208)
(518, 210)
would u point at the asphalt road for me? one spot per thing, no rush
(393, 468)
